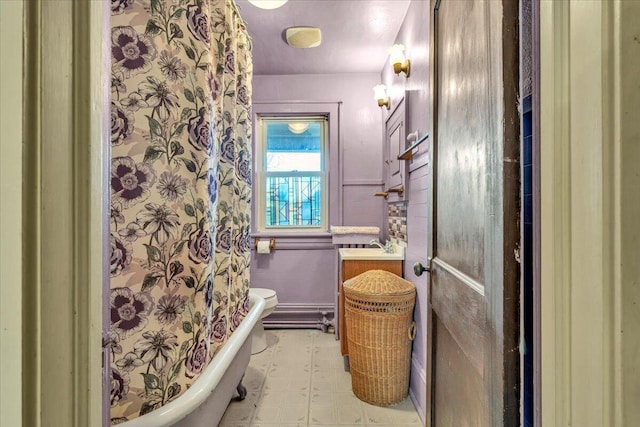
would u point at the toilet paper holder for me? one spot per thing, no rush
(272, 243)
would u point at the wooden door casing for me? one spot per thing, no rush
(474, 279)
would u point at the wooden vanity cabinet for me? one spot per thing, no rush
(352, 268)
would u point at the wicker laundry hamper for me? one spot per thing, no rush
(379, 311)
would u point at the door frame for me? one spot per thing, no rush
(560, 374)
(589, 207)
(65, 194)
(11, 69)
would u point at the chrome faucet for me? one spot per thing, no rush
(387, 247)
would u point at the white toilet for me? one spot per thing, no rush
(259, 340)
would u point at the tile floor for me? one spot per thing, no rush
(299, 380)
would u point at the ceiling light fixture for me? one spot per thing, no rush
(398, 61)
(303, 37)
(268, 4)
(380, 95)
(298, 127)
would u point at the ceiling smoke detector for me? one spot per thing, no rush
(303, 37)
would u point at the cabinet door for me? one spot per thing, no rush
(395, 143)
(351, 269)
(394, 137)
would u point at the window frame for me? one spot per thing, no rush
(261, 173)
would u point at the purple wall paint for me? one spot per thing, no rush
(418, 235)
(414, 35)
(361, 139)
(291, 272)
(302, 269)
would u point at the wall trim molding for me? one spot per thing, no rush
(293, 241)
(419, 369)
(362, 182)
(295, 101)
(298, 245)
(301, 315)
(421, 372)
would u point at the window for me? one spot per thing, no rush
(291, 174)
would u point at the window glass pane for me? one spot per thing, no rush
(293, 201)
(293, 146)
(286, 162)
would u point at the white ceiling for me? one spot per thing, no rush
(356, 35)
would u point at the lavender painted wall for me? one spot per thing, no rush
(302, 269)
(304, 276)
(414, 35)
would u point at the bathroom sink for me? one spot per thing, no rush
(371, 253)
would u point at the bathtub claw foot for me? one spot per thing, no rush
(242, 391)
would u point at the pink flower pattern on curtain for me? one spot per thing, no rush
(180, 194)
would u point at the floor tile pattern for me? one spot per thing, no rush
(299, 380)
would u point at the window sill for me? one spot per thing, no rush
(292, 234)
(298, 240)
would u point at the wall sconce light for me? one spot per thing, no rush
(380, 95)
(398, 61)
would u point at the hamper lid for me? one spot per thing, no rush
(379, 282)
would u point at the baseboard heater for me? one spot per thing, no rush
(303, 315)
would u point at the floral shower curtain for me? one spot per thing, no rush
(180, 194)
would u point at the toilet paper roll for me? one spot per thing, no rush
(263, 247)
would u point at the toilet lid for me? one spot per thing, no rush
(264, 293)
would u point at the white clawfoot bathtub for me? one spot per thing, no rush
(204, 403)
